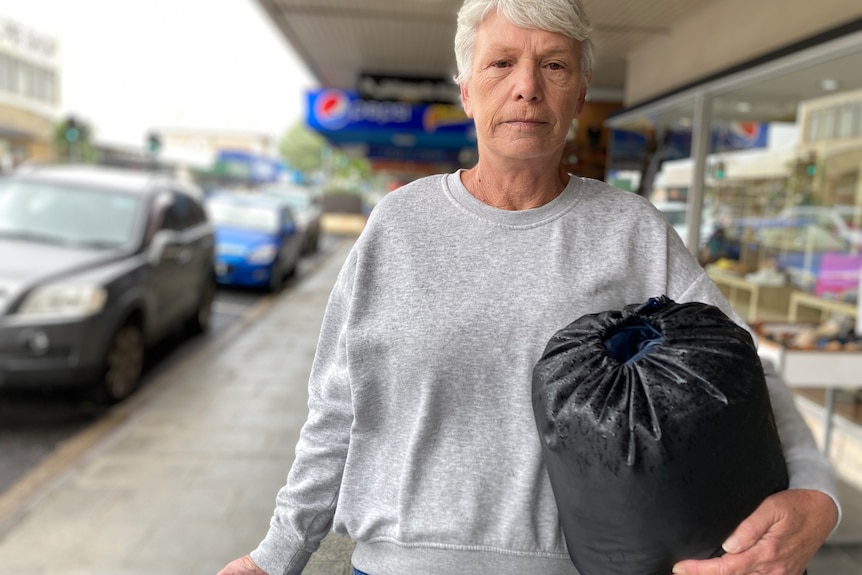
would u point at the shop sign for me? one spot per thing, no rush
(424, 90)
(740, 136)
(838, 276)
(344, 117)
(426, 155)
(249, 166)
(25, 42)
(630, 148)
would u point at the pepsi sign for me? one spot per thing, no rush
(343, 117)
(332, 109)
(742, 136)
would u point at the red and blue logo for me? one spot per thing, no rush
(743, 135)
(332, 109)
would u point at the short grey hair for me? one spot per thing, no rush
(566, 17)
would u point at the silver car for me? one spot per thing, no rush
(304, 203)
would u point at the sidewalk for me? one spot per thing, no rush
(186, 479)
(185, 475)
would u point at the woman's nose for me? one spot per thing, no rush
(527, 83)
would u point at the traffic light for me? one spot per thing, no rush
(154, 143)
(719, 171)
(71, 131)
(811, 165)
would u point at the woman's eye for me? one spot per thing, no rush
(500, 64)
(556, 66)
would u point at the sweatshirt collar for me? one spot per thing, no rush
(553, 209)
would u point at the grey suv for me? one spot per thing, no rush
(96, 265)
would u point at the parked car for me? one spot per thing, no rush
(257, 240)
(795, 245)
(676, 213)
(96, 265)
(306, 208)
(841, 221)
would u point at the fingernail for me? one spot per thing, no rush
(731, 545)
(678, 570)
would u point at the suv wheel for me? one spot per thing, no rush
(124, 364)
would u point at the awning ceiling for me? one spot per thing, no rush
(338, 39)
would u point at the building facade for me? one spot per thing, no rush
(29, 93)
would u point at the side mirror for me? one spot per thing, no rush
(161, 240)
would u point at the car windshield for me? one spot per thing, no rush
(243, 216)
(296, 200)
(801, 238)
(72, 216)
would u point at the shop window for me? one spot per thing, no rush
(28, 86)
(4, 73)
(847, 123)
(827, 127)
(24, 79)
(12, 76)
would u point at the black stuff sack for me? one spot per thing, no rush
(657, 433)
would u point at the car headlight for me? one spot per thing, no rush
(262, 255)
(64, 300)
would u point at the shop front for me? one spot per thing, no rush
(768, 158)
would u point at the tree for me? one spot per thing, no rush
(309, 153)
(303, 149)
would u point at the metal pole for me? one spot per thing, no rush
(827, 420)
(700, 131)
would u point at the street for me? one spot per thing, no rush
(34, 423)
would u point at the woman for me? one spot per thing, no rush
(420, 442)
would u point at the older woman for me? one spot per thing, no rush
(420, 442)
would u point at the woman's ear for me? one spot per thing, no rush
(582, 98)
(465, 99)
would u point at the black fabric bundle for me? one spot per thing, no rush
(657, 433)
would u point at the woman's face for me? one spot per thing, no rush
(524, 90)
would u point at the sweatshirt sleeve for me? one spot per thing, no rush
(305, 506)
(807, 466)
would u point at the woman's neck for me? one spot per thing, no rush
(514, 189)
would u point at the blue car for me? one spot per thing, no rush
(258, 244)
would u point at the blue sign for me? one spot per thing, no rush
(344, 118)
(249, 166)
(632, 148)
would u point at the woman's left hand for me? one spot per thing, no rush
(779, 538)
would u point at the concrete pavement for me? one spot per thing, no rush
(182, 478)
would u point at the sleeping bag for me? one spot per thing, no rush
(657, 433)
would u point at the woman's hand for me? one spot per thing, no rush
(242, 566)
(779, 538)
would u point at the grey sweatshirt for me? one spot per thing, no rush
(421, 442)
